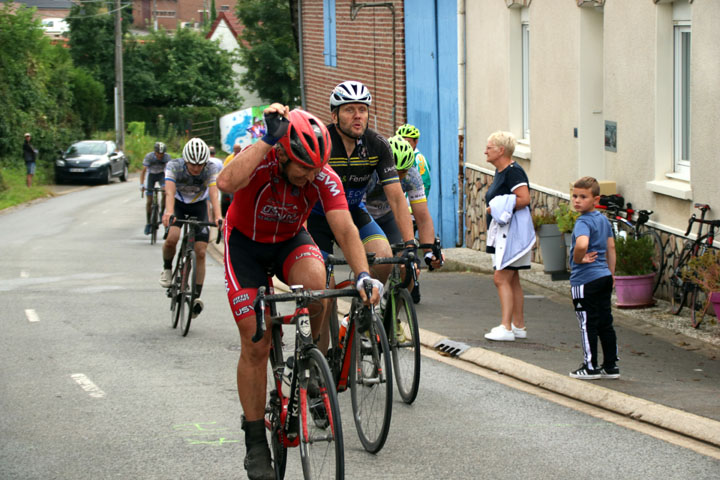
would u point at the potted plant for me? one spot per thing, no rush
(566, 218)
(552, 245)
(634, 271)
(704, 271)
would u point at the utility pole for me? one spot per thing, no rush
(119, 97)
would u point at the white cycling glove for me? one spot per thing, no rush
(363, 277)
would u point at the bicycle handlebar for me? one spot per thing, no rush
(305, 296)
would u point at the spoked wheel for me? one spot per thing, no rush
(175, 297)
(658, 256)
(678, 287)
(698, 302)
(153, 224)
(187, 292)
(371, 385)
(321, 441)
(404, 339)
(274, 428)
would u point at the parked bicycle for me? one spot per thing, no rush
(360, 357)
(302, 408)
(624, 226)
(182, 291)
(156, 211)
(680, 288)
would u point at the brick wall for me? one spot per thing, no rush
(185, 11)
(364, 53)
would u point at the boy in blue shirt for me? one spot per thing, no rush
(592, 266)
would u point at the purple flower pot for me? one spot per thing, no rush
(715, 300)
(635, 291)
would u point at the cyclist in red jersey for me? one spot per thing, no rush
(276, 182)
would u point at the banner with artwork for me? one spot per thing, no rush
(243, 127)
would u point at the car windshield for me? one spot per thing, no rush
(86, 148)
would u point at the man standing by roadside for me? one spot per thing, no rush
(30, 155)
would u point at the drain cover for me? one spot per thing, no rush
(450, 348)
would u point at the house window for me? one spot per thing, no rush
(681, 99)
(224, 8)
(330, 47)
(525, 47)
(165, 13)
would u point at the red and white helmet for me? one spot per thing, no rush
(307, 140)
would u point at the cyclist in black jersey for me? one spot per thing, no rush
(357, 152)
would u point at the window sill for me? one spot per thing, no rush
(522, 151)
(671, 188)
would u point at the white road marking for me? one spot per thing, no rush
(534, 297)
(31, 315)
(87, 385)
(24, 274)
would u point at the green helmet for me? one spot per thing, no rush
(409, 131)
(402, 152)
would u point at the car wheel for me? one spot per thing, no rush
(124, 174)
(108, 176)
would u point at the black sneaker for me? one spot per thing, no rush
(610, 372)
(415, 294)
(258, 463)
(585, 373)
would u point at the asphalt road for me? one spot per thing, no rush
(95, 383)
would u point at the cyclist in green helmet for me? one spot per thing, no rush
(411, 183)
(412, 135)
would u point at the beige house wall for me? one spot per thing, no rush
(588, 66)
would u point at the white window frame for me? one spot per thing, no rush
(682, 38)
(525, 52)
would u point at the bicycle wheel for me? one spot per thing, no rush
(187, 290)
(625, 230)
(679, 287)
(321, 441)
(371, 385)
(153, 224)
(658, 256)
(175, 297)
(404, 340)
(698, 302)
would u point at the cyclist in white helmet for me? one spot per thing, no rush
(189, 182)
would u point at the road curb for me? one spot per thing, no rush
(688, 424)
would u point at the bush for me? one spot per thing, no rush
(543, 218)
(704, 271)
(566, 217)
(634, 256)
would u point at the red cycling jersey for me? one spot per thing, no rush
(271, 210)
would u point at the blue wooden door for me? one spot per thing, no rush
(432, 103)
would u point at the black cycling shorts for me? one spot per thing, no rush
(199, 211)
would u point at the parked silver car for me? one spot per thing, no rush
(97, 160)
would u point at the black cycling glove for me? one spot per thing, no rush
(276, 126)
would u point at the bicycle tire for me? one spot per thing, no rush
(679, 287)
(273, 417)
(698, 303)
(174, 293)
(623, 229)
(658, 256)
(404, 340)
(371, 385)
(187, 290)
(153, 224)
(321, 442)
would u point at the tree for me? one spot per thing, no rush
(88, 98)
(92, 39)
(213, 12)
(35, 92)
(269, 49)
(184, 69)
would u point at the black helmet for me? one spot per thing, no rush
(159, 147)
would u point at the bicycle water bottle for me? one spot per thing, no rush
(343, 330)
(287, 376)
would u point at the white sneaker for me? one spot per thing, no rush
(197, 308)
(519, 332)
(166, 278)
(500, 334)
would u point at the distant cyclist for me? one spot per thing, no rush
(154, 166)
(189, 182)
(276, 182)
(378, 207)
(412, 135)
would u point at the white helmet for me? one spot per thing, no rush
(196, 151)
(350, 92)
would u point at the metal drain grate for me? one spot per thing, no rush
(450, 348)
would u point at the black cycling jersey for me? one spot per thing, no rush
(372, 153)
